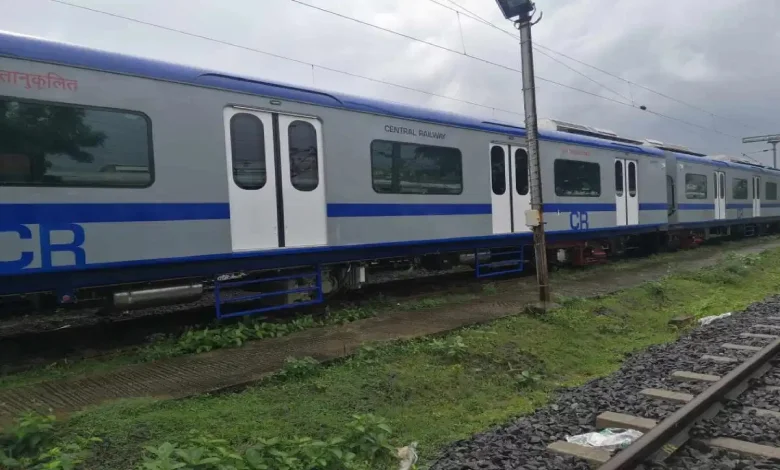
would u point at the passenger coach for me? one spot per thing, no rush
(140, 181)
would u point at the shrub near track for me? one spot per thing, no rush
(437, 390)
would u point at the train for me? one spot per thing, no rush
(134, 181)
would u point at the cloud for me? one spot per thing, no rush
(717, 55)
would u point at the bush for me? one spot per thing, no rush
(28, 445)
(365, 446)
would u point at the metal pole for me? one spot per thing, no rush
(774, 153)
(532, 139)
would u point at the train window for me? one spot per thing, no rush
(577, 179)
(618, 178)
(247, 141)
(695, 186)
(670, 202)
(498, 170)
(304, 171)
(60, 145)
(404, 168)
(739, 188)
(722, 177)
(771, 191)
(632, 179)
(521, 171)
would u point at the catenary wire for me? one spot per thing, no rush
(115, 15)
(538, 46)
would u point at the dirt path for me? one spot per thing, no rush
(228, 368)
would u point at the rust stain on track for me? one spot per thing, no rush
(230, 368)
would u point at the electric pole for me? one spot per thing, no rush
(771, 139)
(522, 12)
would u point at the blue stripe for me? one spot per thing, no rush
(111, 212)
(698, 206)
(739, 205)
(574, 207)
(770, 206)
(398, 210)
(653, 206)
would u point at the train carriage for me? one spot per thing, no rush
(126, 176)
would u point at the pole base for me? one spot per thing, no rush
(540, 308)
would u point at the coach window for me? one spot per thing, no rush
(247, 141)
(771, 191)
(632, 179)
(695, 186)
(498, 170)
(577, 179)
(60, 145)
(618, 178)
(521, 171)
(740, 188)
(304, 173)
(404, 168)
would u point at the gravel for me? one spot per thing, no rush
(521, 445)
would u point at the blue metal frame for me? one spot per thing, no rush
(316, 289)
(487, 270)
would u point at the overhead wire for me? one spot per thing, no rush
(454, 51)
(538, 46)
(278, 56)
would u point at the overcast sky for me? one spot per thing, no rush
(717, 55)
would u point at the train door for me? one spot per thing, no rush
(626, 192)
(303, 191)
(509, 182)
(756, 196)
(274, 165)
(521, 196)
(720, 195)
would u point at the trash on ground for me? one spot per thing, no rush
(408, 456)
(712, 318)
(609, 439)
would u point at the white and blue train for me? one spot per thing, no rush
(135, 180)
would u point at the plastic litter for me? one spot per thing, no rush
(609, 439)
(710, 319)
(408, 456)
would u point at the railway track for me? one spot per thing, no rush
(720, 397)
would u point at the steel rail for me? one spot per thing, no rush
(665, 431)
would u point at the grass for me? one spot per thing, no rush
(237, 334)
(437, 390)
(216, 337)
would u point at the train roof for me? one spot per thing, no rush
(37, 49)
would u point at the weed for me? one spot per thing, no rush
(298, 368)
(28, 445)
(657, 291)
(452, 347)
(365, 445)
(490, 289)
(527, 379)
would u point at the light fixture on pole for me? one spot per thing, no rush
(521, 12)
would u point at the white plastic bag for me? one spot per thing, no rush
(609, 439)
(408, 456)
(710, 319)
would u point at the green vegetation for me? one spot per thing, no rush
(28, 445)
(432, 390)
(200, 340)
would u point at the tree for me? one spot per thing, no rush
(36, 130)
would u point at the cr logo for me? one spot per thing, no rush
(578, 220)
